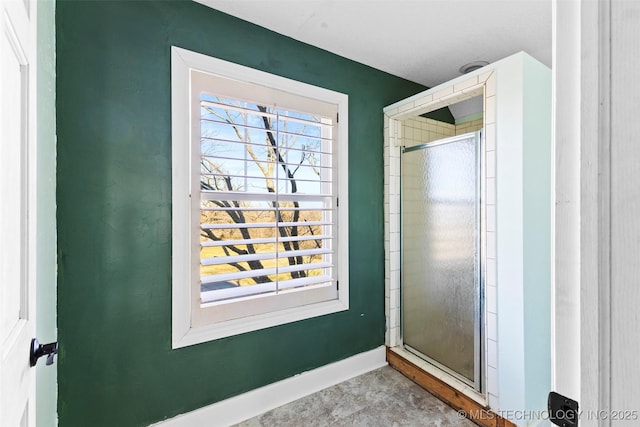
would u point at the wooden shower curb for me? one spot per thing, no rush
(474, 411)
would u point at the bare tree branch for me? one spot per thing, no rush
(293, 231)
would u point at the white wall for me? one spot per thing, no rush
(509, 231)
(537, 221)
(46, 330)
(524, 233)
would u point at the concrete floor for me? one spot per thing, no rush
(383, 398)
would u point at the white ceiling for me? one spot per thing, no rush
(426, 41)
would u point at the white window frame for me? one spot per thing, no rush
(190, 325)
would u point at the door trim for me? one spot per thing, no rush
(582, 148)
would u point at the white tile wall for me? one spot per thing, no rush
(444, 92)
(491, 191)
(418, 130)
(491, 285)
(492, 378)
(490, 136)
(491, 242)
(490, 114)
(491, 164)
(491, 218)
(493, 401)
(490, 272)
(492, 326)
(459, 87)
(491, 299)
(492, 353)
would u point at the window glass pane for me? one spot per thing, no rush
(279, 236)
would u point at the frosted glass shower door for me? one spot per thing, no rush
(441, 253)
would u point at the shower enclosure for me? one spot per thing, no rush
(442, 272)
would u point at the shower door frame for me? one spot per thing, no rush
(479, 267)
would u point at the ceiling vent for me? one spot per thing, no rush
(472, 66)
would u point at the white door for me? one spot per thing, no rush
(17, 211)
(597, 203)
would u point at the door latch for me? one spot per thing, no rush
(563, 411)
(38, 350)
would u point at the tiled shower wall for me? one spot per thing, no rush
(403, 129)
(418, 130)
(470, 126)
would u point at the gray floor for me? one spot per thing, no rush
(383, 397)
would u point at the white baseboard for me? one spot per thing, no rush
(248, 405)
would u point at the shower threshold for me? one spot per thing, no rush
(399, 354)
(440, 367)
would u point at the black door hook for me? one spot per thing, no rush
(38, 350)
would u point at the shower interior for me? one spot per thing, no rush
(442, 264)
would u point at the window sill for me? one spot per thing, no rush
(196, 335)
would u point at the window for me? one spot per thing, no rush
(259, 170)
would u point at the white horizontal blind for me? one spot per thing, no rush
(267, 200)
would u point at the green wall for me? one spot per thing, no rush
(116, 366)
